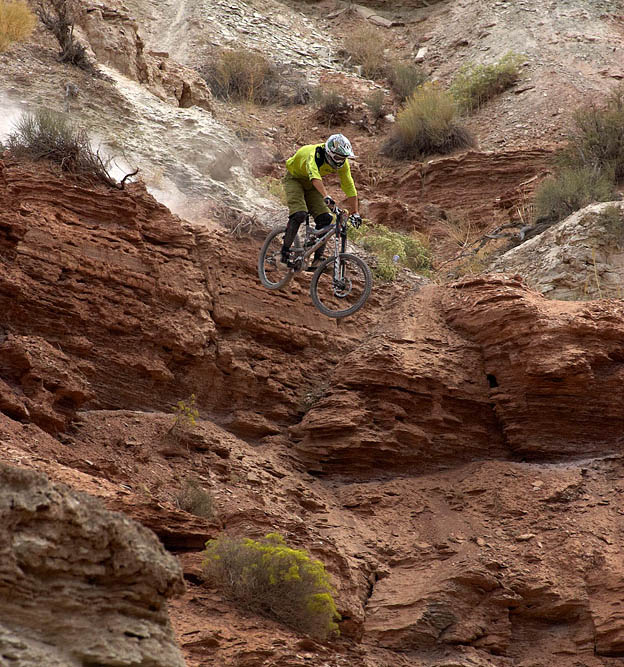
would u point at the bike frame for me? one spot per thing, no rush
(339, 229)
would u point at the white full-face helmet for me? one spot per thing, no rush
(337, 150)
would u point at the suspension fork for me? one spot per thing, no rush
(340, 247)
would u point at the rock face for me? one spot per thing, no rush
(578, 259)
(80, 585)
(114, 38)
(449, 429)
(453, 188)
(483, 369)
(414, 395)
(126, 306)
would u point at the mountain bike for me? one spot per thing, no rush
(340, 285)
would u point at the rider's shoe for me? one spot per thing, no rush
(284, 262)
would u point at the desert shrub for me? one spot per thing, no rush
(375, 103)
(404, 78)
(597, 138)
(186, 413)
(570, 190)
(365, 47)
(47, 135)
(194, 499)
(241, 75)
(612, 220)
(475, 84)
(427, 124)
(332, 106)
(16, 23)
(271, 578)
(392, 249)
(59, 17)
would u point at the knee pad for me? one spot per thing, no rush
(323, 220)
(298, 217)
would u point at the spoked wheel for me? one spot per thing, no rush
(344, 294)
(272, 274)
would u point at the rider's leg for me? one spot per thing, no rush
(321, 221)
(294, 222)
(294, 189)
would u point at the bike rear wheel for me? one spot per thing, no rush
(342, 296)
(272, 274)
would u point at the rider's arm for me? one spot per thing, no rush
(320, 186)
(352, 205)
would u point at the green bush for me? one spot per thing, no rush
(427, 124)
(194, 499)
(597, 138)
(16, 23)
(570, 190)
(271, 578)
(404, 78)
(47, 135)
(392, 249)
(475, 84)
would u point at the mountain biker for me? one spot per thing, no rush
(305, 190)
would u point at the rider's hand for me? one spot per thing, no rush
(329, 202)
(356, 220)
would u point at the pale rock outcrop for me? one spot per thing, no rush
(79, 584)
(577, 259)
(113, 35)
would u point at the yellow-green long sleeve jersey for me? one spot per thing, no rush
(303, 164)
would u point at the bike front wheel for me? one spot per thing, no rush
(271, 272)
(341, 285)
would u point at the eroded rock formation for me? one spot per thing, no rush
(578, 259)
(79, 584)
(464, 439)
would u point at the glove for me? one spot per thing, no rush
(329, 202)
(356, 220)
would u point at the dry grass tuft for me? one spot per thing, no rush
(16, 23)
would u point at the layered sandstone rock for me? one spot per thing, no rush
(129, 307)
(485, 368)
(80, 585)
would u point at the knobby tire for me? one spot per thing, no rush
(368, 284)
(262, 258)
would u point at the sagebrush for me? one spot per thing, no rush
(427, 124)
(194, 499)
(570, 190)
(47, 135)
(476, 84)
(392, 249)
(597, 138)
(242, 75)
(333, 107)
(59, 17)
(16, 23)
(404, 78)
(612, 220)
(364, 47)
(271, 578)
